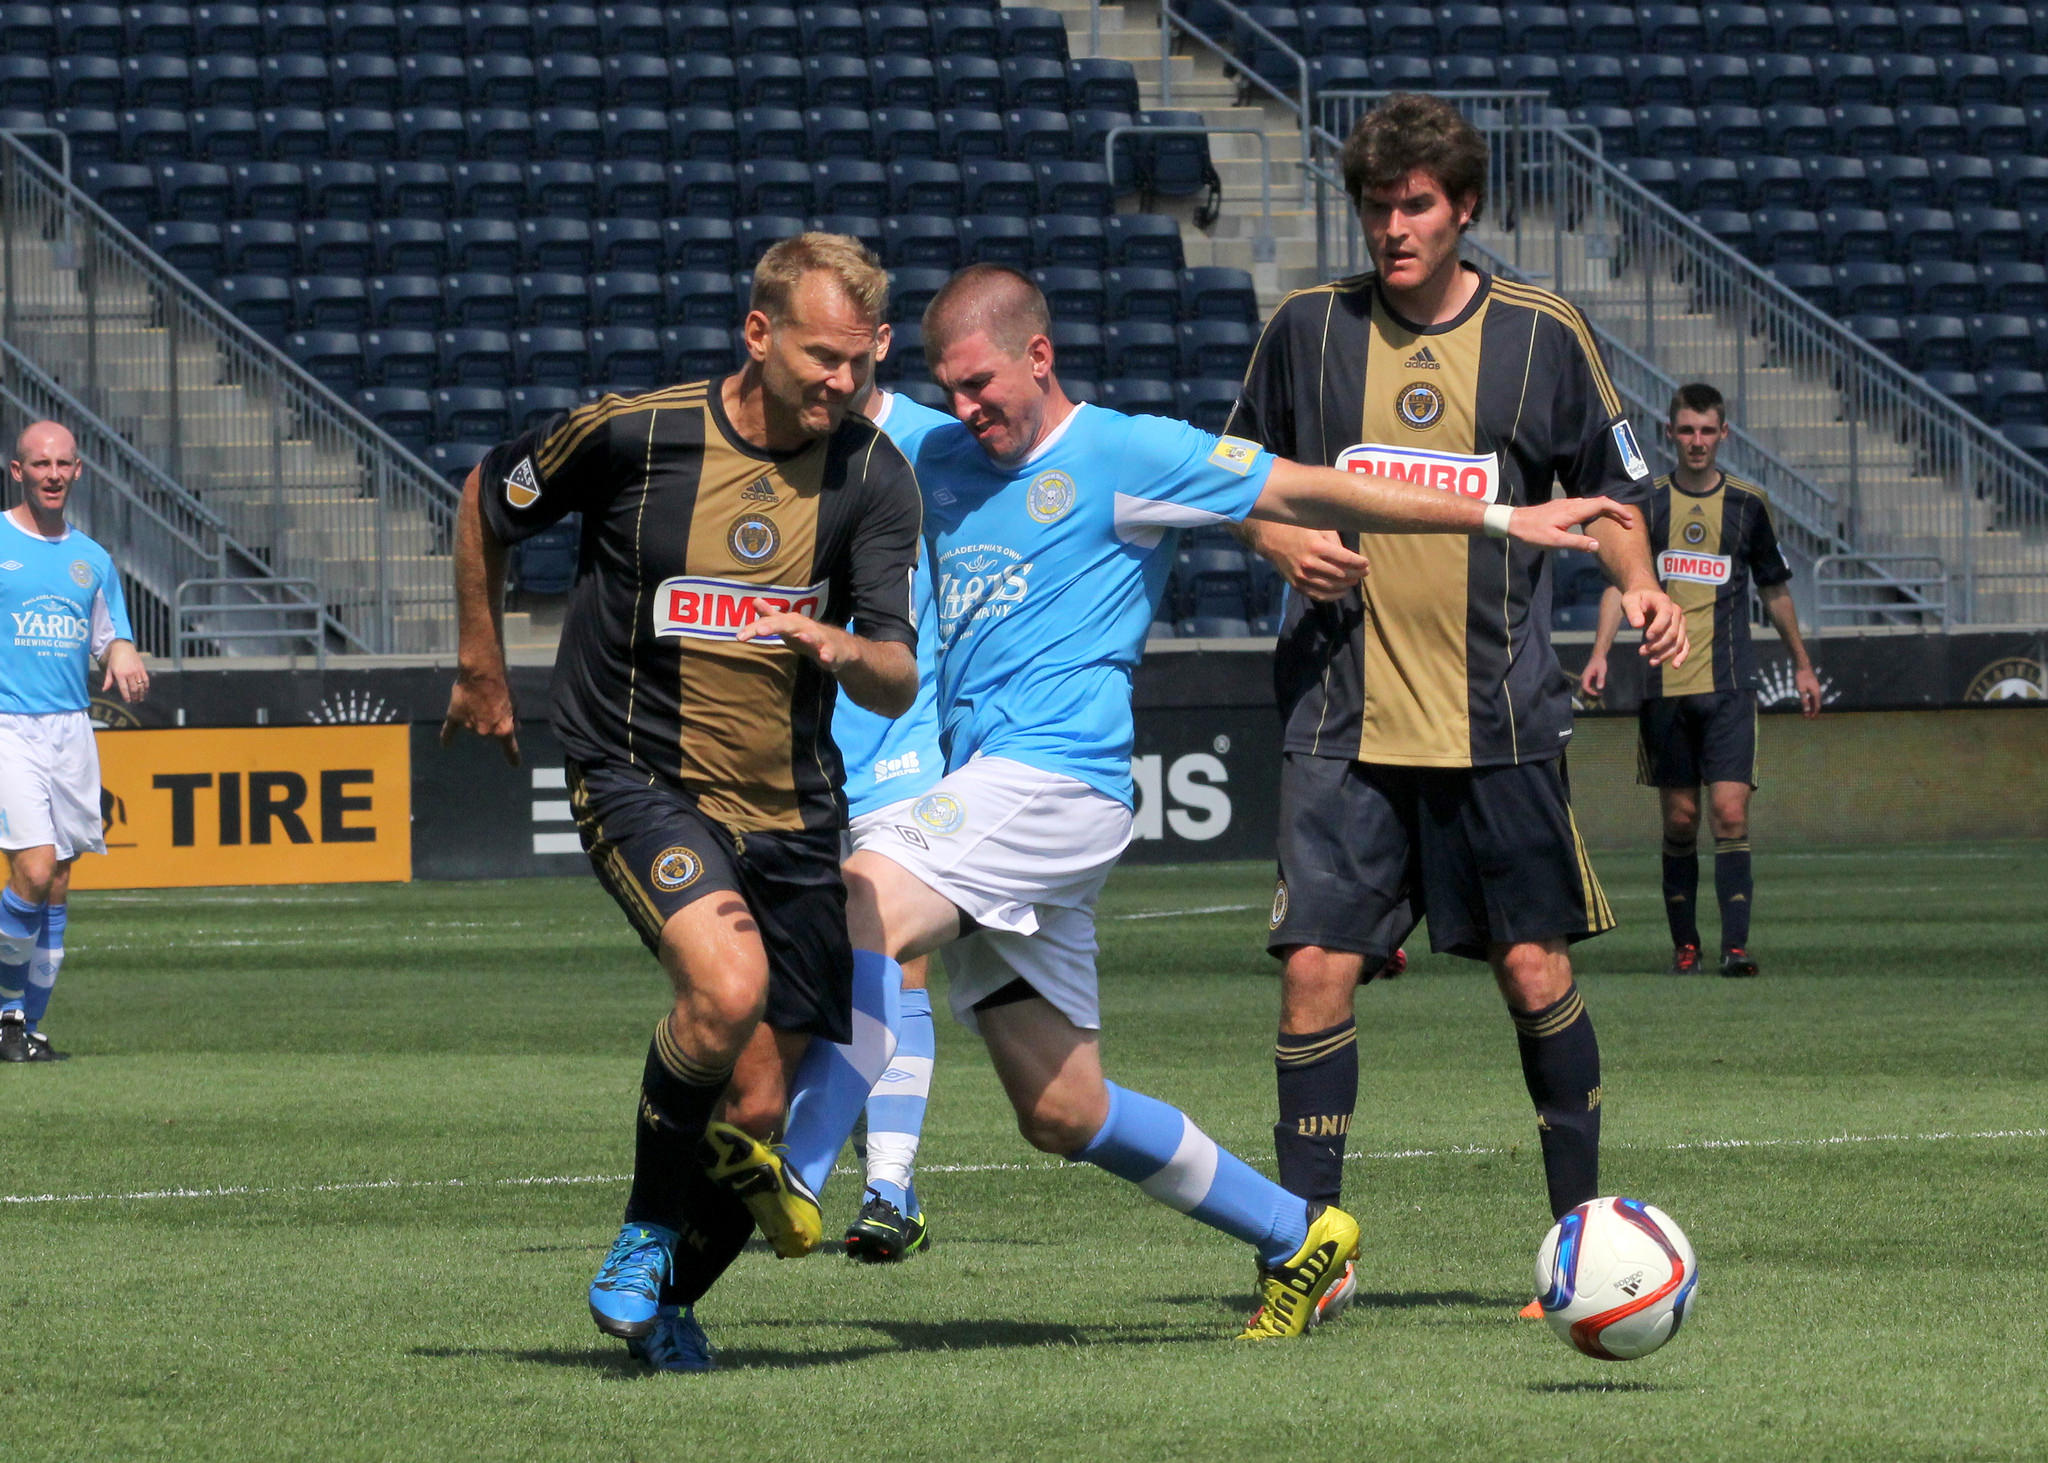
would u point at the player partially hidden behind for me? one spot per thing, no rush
(61, 605)
(1713, 538)
(889, 766)
(730, 527)
(1051, 527)
(1426, 715)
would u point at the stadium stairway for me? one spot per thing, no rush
(305, 509)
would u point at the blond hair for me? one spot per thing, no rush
(851, 264)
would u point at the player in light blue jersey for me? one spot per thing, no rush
(889, 765)
(60, 606)
(1051, 527)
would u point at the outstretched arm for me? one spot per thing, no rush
(1327, 497)
(1624, 550)
(481, 700)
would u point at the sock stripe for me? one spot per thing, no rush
(1186, 1179)
(682, 1066)
(1731, 845)
(1553, 1018)
(1680, 850)
(1307, 1053)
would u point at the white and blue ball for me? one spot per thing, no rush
(1616, 1278)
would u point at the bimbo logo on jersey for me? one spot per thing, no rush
(1469, 476)
(1700, 568)
(714, 609)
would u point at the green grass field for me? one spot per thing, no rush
(332, 1168)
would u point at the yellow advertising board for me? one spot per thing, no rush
(253, 805)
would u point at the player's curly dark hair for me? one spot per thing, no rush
(1407, 132)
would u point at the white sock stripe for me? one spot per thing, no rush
(906, 1077)
(1185, 1180)
(891, 1156)
(872, 1046)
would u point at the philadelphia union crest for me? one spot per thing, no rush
(1051, 494)
(1279, 905)
(1695, 533)
(940, 811)
(1420, 405)
(753, 539)
(676, 868)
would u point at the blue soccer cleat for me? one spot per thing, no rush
(676, 1344)
(625, 1299)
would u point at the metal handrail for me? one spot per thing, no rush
(303, 475)
(1169, 18)
(1912, 589)
(1264, 248)
(313, 632)
(63, 143)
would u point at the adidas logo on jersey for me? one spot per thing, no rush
(1422, 360)
(760, 490)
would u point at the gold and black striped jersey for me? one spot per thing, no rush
(688, 532)
(1709, 548)
(1442, 658)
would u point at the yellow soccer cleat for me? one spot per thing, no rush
(1289, 1291)
(782, 1204)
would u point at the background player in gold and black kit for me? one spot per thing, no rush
(1713, 538)
(716, 516)
(1426, 715)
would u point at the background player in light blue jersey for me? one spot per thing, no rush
(889, 765)
(1051, 528)
(60, 606)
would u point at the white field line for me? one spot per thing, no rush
(234, 1191)
(1176, 913)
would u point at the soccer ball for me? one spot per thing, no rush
(1615, 1278)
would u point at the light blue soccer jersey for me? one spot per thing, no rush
(60, 605)
(887, 761)
(1048, 574)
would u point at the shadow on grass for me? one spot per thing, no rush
(1569, 1387)
(896, 1337)
(1423, 1300)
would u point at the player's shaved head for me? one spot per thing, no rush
(45, 440)
(992, 299)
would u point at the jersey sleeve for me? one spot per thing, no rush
(569, 465)
(1172, 475)
(882, 556)
(1760, 550)
(1598, 452)
(109, 612)
(1264, 412)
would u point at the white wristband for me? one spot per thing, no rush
(1495, 519)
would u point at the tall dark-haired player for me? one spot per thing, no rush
(1713, 538)
(1426, 715)
(730, 527)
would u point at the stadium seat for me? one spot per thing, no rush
(1138, 396)
(1140, 292)
(294, 80)
(1923, 233)
(555, 244)
(96, 82)
(898, 30)
(1072, 294)
(905, 134)
(336, 246)
(993, 240)
(700, 297)
(837, 81)
(2013, 396)
(432, 133)
(700, 243)
(1898, 181)
(261, 246)
(2029, 438)
(774, 185)
(1146, 348)
(698, 29)
(1856, 234)
(1656, 80)
(219, 30)
(409, 246)
(756, 233)
(1971, 79)
(330, 302)
(405, 413)
(406, 302)
(1674, 30)
(1393, 71)
(490, 245)
(1945, 287)
(151, 134)
(1106, 84)
(1985, 234)
(1216, 349)
(263, 302)
(1871, 287)
(1592, 79)
(1034, 82)
(432, 80)
(1787, 235)
(628, 244)
(911, 288)
(1797, 130)
(341, 189)
(151, 81)
(1731, 226)
(922, 240)
(1145, 239)
(635, 189)
(1814, 283)
(1037, 134)
(2000, 340)
(966, 133)
(1932, 342)
(628, 357)
(1079, 355)
(505, 29)
(2014, 286)
(1992, 129)
(415, 190)
(1409, 30)
(1066, 238)
(995, 185)
(1964, 181)
(1882, 331)
(695, 352)
(627, 297)
(2026, 78)
(766, 29)
(481, 300)
(703, 133)
(1078, 188)
(903, 81)
(704, 81)
(1654, 173)
(1772, 182)
(549, 298)
(1731, 130)
(768, 80)
(490, 189)
(771, 132)
(334, 358)
(528, 407)
(187, 190)
(471, 357)
(1023, 30)
(128, 191)
(1615, 124)
(1211, 292)
(572, 29)
(1176, 165)
(1782, 78)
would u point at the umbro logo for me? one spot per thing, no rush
(911, 836)
(11, 565)
(1422, 360)
(760, 490)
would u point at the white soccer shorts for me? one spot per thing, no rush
(50, 783)
(1024, 852)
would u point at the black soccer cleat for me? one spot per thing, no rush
(883, 1233)
(1738, 962)
(40, 1050)
(1685, 960)
(14, 1042)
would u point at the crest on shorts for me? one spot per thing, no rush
(753, 539)
(676, 868)
(1279, 906)
(521, 488)
(1050, 495)
(81, 574)
(940, 811)
(1695, 533)
(1420, 405)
